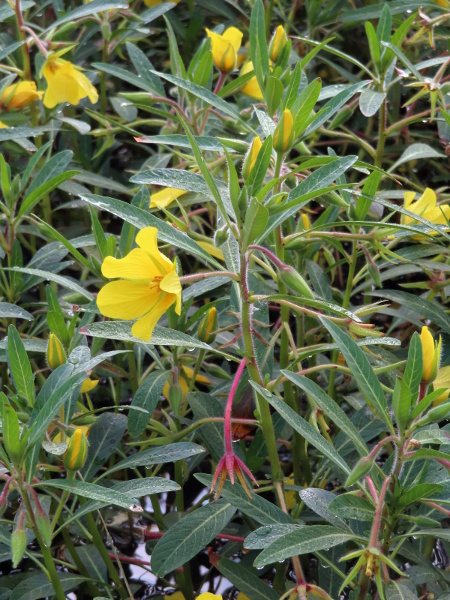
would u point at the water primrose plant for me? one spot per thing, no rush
(224, 314)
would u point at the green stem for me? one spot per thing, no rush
(381, 136)
(91, 587)
(198, 364)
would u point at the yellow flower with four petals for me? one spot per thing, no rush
(147, 288)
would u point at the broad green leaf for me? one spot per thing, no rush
(140, 218)
(205, 142)
(369, 190)
(349, 506)
(305, 103)
(408, 64)
(245, 581)
(257, 508)
(303, 428)
(362, 371)
(16, 133)
(415, 152)
(62, 281)
(57, 164)
(374, 47)
(255, 222)
(264, 536)
(146, 398)
(189, 536)
(330, 407)
(11, 48)
(32, 198)
(157, 456)
(19, 365)
(104, 437)
(125, 75)
(304, 541)
(428, 309)
(179, 179)
(38, 586)
(319, 501)
(162, 336)
(273, 94)
(258, 43)
(88, 10)
(144, 67)
(399, 591)
(401, 404)
(419, 491)
(384, 25)
(370, 102)
(92, 492)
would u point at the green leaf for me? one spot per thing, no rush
(408, 64)
(125, 75)
(384, 25)
(88, 10)
(363, 204)
(264, 536)
(93, 492)
(415, 152)
(397, 40)
(374, 46)
(32, 198)
(329, 406)
(104, 437)
(399, 591)
(162, 336)
(362, 371)
(258, 43)
(62, 281)
(17, 133)
(259, 171)
(157, 456)
(349, 506)
(257, 508)
(19, 366)
(319, 501)
(304, 541)
(55, 166)
(425, 308)
(401, 404)
(204, 142)
(255, 222)
(370, 102)
(245, 581)
(140, 218)
(12, 311)
(38, 586)
(419, 491)
(304, 104)
(273, 94)
(146, 398)
(144, 67)
(303, 428)
(189, 536)
(11, 433)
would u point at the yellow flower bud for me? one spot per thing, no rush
(225, 47)
(277, 43)
(284, 132)
(207, 330)
(251, 156)
(19, 94)
(293, 280)
(431, 352)
(442, 381)
(56, 355)
(75, 455)
(251, 88)
(306, 222)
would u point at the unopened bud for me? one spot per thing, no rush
(436, 414)
(251, 156)
(175, 396)
(220, 237)
(277, 43)
(56, 355)
(208, 326)
(18, 541)
(361, 468)
(43, 523)
(293, 280)
(76, 452)
(431, 351)
(283, 137)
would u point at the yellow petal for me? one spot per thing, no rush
(126, 299)
(143, 328)
(3, 126)
(165, 197)
(209, 596)
(409, 197)
(200, 378)
(171, 283)
(147, 239)
(137, 265)
(428, 352)
(223, 50)
(211, 249)
(88, 385)
(66, 84)
(19, 94)
(442, 381)
(234, 37)
(251, 88)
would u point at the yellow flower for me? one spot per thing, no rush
(209, 596)
(277, 43)
(250, 158)
(88, 385)
(175, 596)
(284, 132)
(426, 207)
(211, 249)
(242, 596)
(431, 352)
(442, 381)
(3, 126)
(149, 285)
(225, 47)
(165, 197)
(60, 437)
(19, 94)
(291, 495)
(184, 380)
(251, 88)
(65, 83)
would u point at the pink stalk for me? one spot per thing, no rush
(227, 434)
(372, 489)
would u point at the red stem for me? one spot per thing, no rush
(376, 523)
(227, 425)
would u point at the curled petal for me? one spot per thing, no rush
(137, 265)
(143, 328)
(147, 240)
